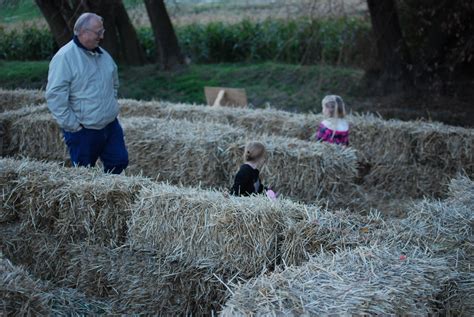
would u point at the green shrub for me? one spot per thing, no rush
(26, 44)
(332, 41)
(298, 41)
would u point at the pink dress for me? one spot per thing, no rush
(327, 135)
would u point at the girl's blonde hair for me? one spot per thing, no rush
(335, 106)
(254, 151)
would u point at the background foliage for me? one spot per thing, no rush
(342, 41)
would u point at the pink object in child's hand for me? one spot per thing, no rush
(271, 194)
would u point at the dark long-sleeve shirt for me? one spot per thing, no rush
(247, 182)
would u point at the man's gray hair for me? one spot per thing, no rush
(84, 21)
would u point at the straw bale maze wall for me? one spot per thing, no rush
(144, 247)
(394, 159)
(417, 149)
(54, 218)
(194, 153)
(15, 99)
(91, 243)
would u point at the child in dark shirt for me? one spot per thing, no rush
(247, 181)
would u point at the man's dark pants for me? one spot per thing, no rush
(108, 144)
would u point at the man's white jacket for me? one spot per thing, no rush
(82, 88)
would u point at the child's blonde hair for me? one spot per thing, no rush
(335, 106)
(254, 151)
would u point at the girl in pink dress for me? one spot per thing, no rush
(333, 129)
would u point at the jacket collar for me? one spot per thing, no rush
(96, 50)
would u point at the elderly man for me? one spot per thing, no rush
(82, 96)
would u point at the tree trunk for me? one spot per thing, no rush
(72, 9)
(51, 10)
(62, 15)
(392, 49)
(106, 9)
(132, 50)
(167, 47)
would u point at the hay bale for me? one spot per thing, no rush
(57, 206)
(405, 180)
(241, 234)
(439, 227)
(461, 191)
(378, 141)
(18, 98)
(363, 281)
(433, 231)
(6, 120)
(315, 230)
(444, 229)
(77, 202)
(23, 295)
(38, 137)
(180, 152)
(438, 146)
(446, 147)
(301, 170)
(192, 241)
(147, 283)
(256, 121)
(42, 254)
(173, 150)
(20, 294)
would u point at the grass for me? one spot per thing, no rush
(16, 74)
(290, 87)
(12, 11)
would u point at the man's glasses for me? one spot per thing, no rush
(98, 33)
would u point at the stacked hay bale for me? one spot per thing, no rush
(179, 151)
(398, 158)
(56, 206)
(192, 240)
(7, 147)
(185, 244)
(445, 229)
(377, 140)
(461, 191)
(18, 98)
(362, 281)
(38, 136)
(256, 121)
(412, 159)
(234, 232)
(425, 258)
(401, 159)
(461, 195)
(21, 294)
(189, 153)
(303, 170)
(146, 283)
(242, 233)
